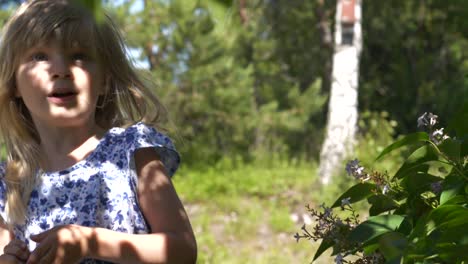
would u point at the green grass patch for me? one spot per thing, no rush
(241, 213)
(230, 180)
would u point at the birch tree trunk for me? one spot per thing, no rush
(342, 108)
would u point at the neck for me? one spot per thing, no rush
(61, 147)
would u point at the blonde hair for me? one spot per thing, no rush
(126, 100)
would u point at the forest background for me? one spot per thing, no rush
(246, 85)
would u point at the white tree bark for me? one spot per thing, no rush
(343, 103)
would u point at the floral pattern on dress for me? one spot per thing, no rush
(99, 191)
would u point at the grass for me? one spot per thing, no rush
(243, 213)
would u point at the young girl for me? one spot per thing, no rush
(87, 177)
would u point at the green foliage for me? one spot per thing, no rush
(376, 131)
(232, 178)
(230, 93)
(94, 6)
(288, 73)
(417, 215)
(414, 55)
(240, 211)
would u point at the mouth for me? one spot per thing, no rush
(62, 98)
(62, 94)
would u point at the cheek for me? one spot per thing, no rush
(28, 81)
(20, 83)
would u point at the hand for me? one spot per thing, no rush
(16, 251)
(9, 259)
(61, 244)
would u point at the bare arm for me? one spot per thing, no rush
(5, 235)
(172, 239)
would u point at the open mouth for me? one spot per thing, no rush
(62, 95)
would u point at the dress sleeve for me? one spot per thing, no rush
(2, 190)
(141, 135)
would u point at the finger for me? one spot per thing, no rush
(9, 259)
(19, 253)
(38, 254)
(47, 258)
(18, 243)
(39, 237)
(18, 249)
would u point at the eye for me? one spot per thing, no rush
(39, 56)
(79, 56)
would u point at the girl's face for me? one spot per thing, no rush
(59, 86)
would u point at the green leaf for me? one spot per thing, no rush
(451, 234)
(418, 182)
(449, 215)
(416, 161)
(406, 140)
(458, 199)
(374, 227)
(356, 193)
(452, 149)
(439, 169)
(451, 187)
(405, 227)
(452, 253)
(326, 244)
(381, 203)
(392, 245)
(370, 248)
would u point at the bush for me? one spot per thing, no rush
(418, 215)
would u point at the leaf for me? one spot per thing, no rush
(356, 193)
(439, 169)
(418, 182)
(374, 227)
(381, 203)
(451, 187)
(405, 227)
(326, 244)
(406, 140)
(370, 248)
(458, 199)
(451, 148)
(392, 245)
(416, 161)
(452, 253)
(449, 216)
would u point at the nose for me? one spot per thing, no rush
(60, 68)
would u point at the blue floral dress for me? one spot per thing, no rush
(99, 191)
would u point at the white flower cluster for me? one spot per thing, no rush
(353, 169)
(428, 121)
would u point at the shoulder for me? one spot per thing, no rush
(141, 135)
(3, 190)
(2, 169)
